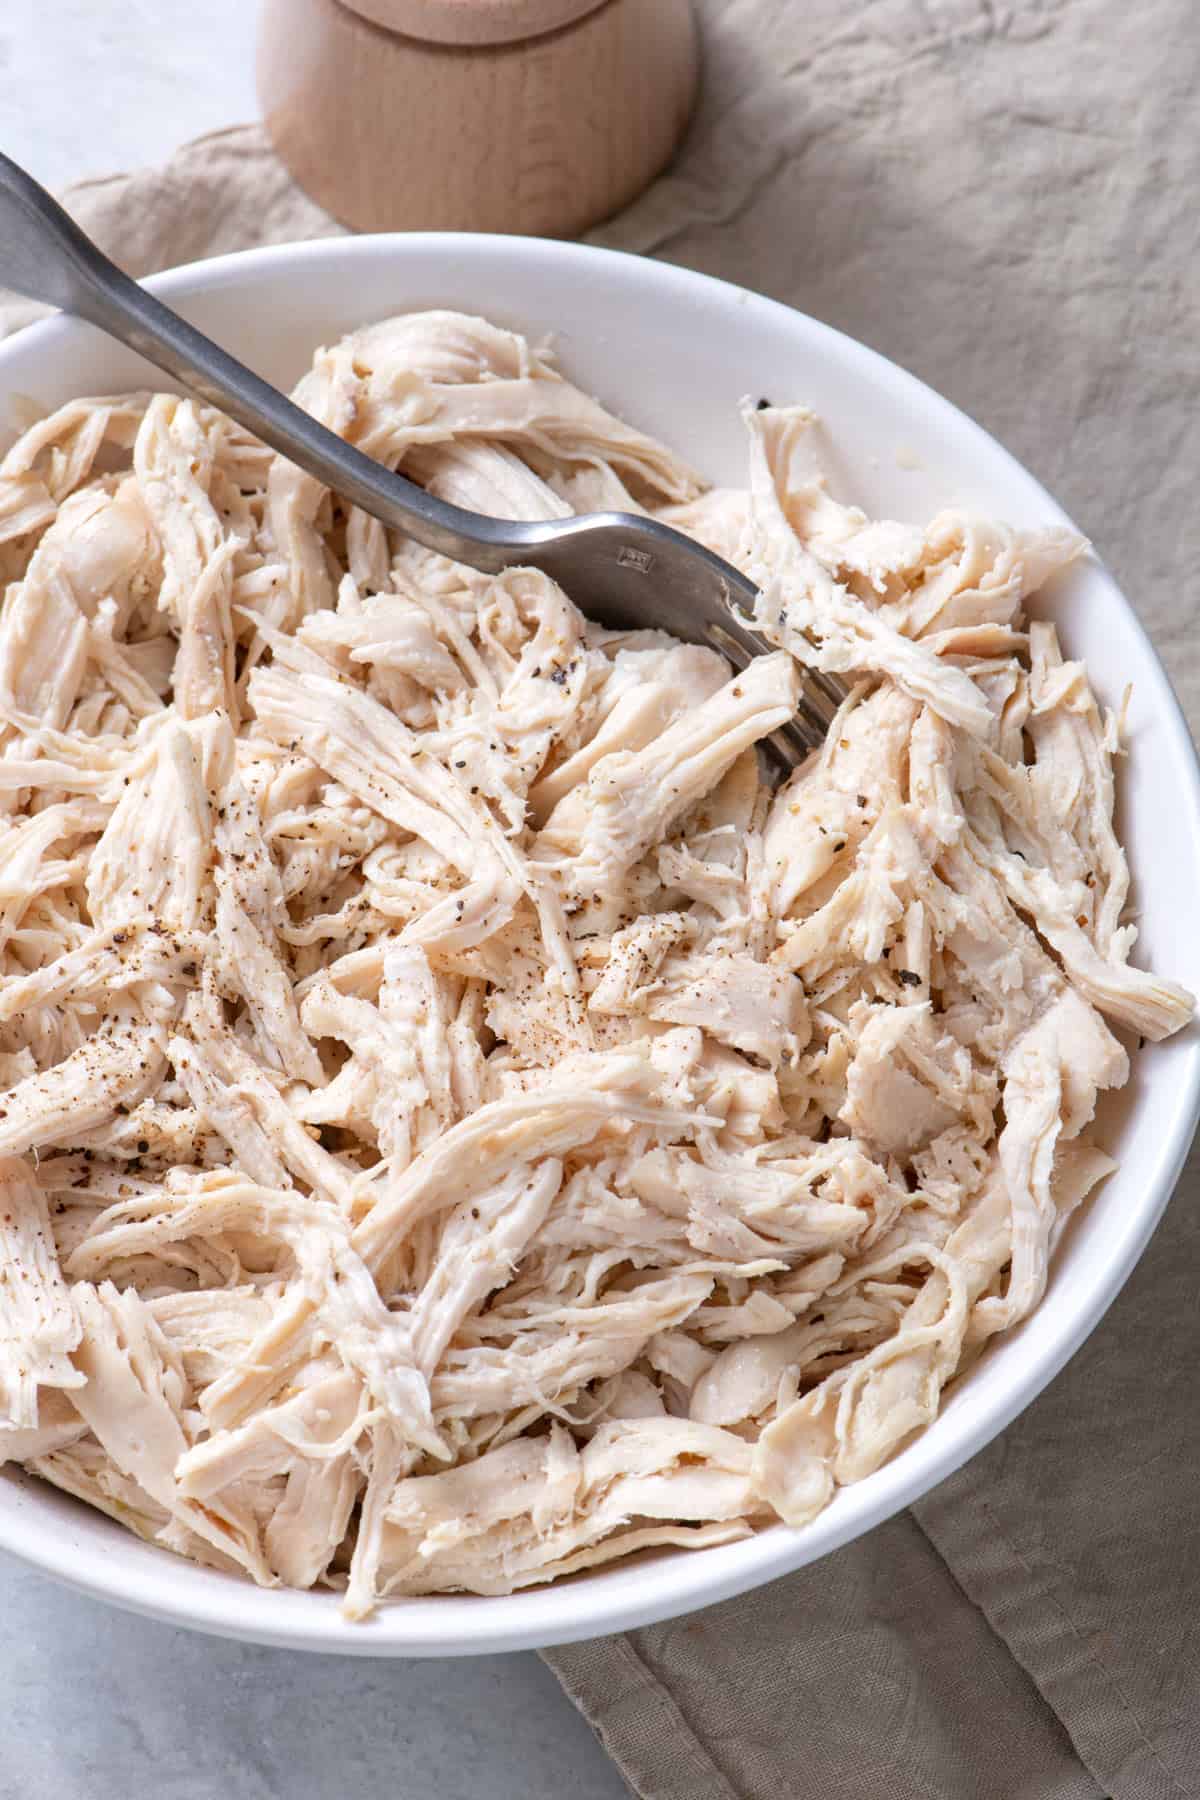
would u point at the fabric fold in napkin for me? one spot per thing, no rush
(1000, 195)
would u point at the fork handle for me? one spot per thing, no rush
(45, 256)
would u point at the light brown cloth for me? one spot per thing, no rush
(1002, 197)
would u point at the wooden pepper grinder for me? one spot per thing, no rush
(539, 116)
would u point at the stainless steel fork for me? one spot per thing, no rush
(623, 571)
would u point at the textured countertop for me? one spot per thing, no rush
(103, 1705)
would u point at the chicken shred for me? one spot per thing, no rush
(462, 1119)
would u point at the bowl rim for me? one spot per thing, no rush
(180, 1593)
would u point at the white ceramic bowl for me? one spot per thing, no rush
(675, 352)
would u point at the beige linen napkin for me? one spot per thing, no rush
(1002, 197)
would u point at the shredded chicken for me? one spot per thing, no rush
(462, 1120)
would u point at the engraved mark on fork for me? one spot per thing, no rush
(629, 558)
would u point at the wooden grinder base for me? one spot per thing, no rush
(441, 117)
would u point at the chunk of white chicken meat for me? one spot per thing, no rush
(38, 1323)
(631, 798)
